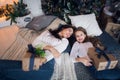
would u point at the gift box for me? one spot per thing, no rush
(101, 60)
(30, 62)
(33, 58)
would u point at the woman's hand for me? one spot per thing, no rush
(55, 53)
(42, 61)
(48, 47)
(84, 60)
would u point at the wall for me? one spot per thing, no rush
(35, 7)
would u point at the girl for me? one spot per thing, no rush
(54, 42)
(80, 47)
(79, 54)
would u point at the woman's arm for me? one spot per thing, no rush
(47, 38)
(63, 43)
(57, 49)
(53, 46)
(52, 50)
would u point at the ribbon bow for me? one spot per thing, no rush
(31, 49)
(102, 53)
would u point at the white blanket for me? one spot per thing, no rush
(66, 70)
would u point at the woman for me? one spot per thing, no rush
(80, 47)
(54, 42)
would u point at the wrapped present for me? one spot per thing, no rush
(33, 58)
(101, 60)
(30, 62)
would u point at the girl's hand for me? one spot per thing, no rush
(84, 60)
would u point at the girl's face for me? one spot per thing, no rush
(80, 36)
(66, 33)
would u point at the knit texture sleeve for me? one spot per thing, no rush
(74, 51)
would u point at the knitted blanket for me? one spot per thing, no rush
(66, 70)
(25, 36)
(18, 48)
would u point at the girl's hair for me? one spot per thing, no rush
(84, 31)
(60, 28)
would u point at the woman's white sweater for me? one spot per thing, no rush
(46, 38)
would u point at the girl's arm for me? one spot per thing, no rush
(84, 60)
(80, 50)
(74, 51)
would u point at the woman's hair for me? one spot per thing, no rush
(60, 28)
(84, 31)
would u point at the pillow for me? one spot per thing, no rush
(40, 22)
(55, 24)
(7, 37)
(88, 22)
(34, 6)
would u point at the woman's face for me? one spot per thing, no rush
(80, 36)
(66, 33)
